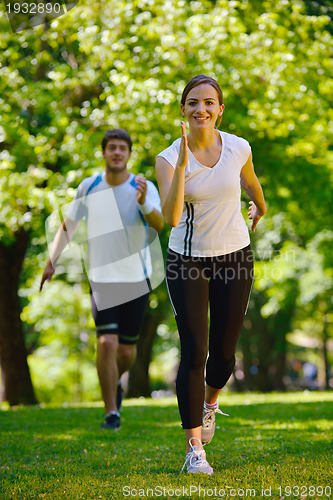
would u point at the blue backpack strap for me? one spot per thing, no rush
(133, 183)
(94, 183)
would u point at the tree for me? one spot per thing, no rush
(65, 352)
(15, 377)
(120, 63)
(314, 312)
(269, 320)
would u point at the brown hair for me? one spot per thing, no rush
(198, 80)
(117, 133)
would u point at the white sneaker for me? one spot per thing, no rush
(208, 423)
(196, 460)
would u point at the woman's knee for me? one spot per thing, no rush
(218, 371)
(194, 359)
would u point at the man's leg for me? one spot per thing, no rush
(117, 333)
(107, 369)
(130, 317)
(125, 357)
(107, 329)
(113, 359)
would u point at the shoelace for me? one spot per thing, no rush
(195, 458)
(112, 413)
(209, 415)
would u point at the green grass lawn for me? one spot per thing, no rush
(281, 443)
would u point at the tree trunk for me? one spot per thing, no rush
(264, 346)
(16, 386)
(139, 382)
(245, 342)
(280, 364)
(326, 381)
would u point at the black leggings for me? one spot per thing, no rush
(225, 283)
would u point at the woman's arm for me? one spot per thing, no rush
(171, 183)
(252, 187)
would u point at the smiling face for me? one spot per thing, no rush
(202, 107)
(116, 155)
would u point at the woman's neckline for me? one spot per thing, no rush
(219, 159)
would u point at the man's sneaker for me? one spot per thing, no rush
(208, 422)
(112, 421)
(120, 395)
(196, 460)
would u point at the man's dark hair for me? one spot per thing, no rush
(117, 133)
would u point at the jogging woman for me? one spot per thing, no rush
(209, 257)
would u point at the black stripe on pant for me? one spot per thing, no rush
(189, 229)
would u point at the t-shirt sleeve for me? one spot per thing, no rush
(171, 153)
(153, 196)
(78, 208)
(244, 150)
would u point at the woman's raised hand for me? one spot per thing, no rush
(183, 150)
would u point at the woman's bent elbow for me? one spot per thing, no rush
(171, 218)
(172, 221)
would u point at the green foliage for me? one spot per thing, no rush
(124, 63)
(163, 368)
(276, 440)
(293, 293)
(63, 367)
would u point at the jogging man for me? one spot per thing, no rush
(118, 207)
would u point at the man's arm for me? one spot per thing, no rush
(155, 220)
(154, 217)
(62, 238)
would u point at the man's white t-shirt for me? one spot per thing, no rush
(211, 222)
(117, 234)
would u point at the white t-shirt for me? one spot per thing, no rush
(211, 222)
(117, 234)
